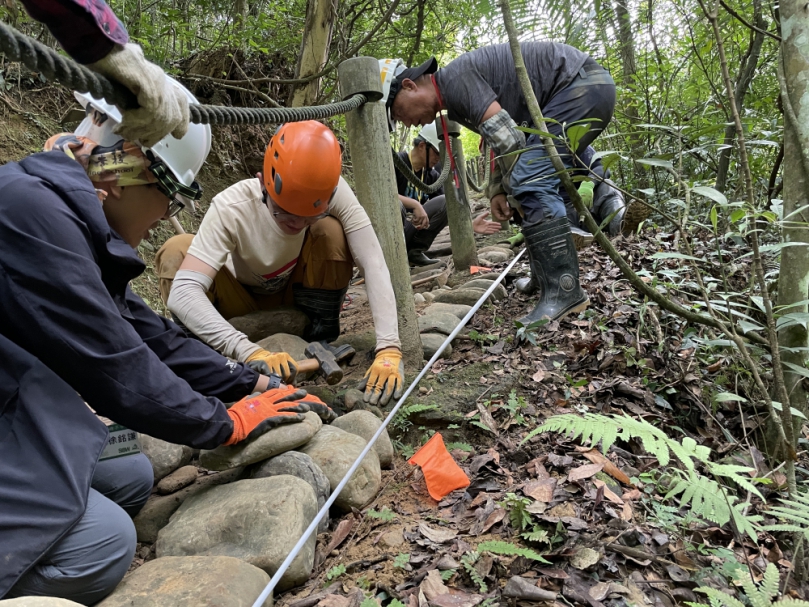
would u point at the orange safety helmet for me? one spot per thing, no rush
(302, 167)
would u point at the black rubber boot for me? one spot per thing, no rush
(323, 308)
(609, 201)
(417, 257)
(555, 268)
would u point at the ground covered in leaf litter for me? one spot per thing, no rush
(551, 519)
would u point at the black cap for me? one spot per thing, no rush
(412, 73)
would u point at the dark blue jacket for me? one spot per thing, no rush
(72, 331)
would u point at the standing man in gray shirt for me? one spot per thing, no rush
(481, 91)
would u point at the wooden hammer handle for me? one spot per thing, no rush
(307, 365)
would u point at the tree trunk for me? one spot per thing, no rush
(745, 77)
(793, 281)
(626, 46)
(320, 16)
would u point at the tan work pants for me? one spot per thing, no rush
(325, 262)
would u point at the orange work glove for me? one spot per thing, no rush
(385, 378)
(279, 363)
(254, 415)
(318, 406)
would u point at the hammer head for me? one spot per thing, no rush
(328, 364)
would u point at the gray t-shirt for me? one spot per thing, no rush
(470, 83)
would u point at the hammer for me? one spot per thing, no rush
(326, 359)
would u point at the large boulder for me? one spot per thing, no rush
(459, 310)
(467, 297)
(284, 342)
(438, 322)
(481, 283)
(158, 510)
(430, 342)
(276, 441)
(255, 520)
(190, 581)
(335, 450)
(301, 465)
(165, 457)
(261, 324)
(365, 424)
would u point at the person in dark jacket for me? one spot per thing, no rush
(75, 337)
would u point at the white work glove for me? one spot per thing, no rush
(163, 107)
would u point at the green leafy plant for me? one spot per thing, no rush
(402, 420)
(796, 511)
(447, 574)
(481, 339)
(396, 603)
(515, 405)
(517, 511)
(386, 514)
(529, 332)
(335, 572)
(537, 535)
(704, 495)
(402, 560)
(507, 549)
(468, 561)
(462, 446)
(369, 601)
(759, 595)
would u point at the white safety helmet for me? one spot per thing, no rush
(388, 70)
(430, 135)
(183, 157)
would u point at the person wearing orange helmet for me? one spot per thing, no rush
(290, 236)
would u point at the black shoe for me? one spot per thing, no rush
(555, 269)
(418, 258)
(323, 308)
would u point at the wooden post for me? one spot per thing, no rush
(375, 185)
(459, 215)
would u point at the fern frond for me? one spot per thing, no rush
(705, 497)
(720, 597)
(790, 602)
(506, 549)
(745, 523)
(736, 474)
(787, 528)
(769, 584)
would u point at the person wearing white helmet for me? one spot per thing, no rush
(75, 339)
(429, 211)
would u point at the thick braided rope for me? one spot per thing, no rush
(39, 58)
(487, 170)
(401, 165)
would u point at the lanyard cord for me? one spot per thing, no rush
(446, 134)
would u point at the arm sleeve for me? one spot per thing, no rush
(371, 261)
(51, 284)
(207, 371)
(189, 302)
(87, 29)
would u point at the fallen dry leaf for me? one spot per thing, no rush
(541, 490)
(599, 591)
(334, 600)
(539, 375)
(439, 535)
(585, 471)
(608, 493)
(634, 494)
(487, 419)
(340, 534)
(614, 471)
(433, 585)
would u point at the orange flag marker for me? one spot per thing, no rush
(478, 269)
(442, 474)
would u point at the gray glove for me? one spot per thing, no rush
(501, 133)
(163, 107)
